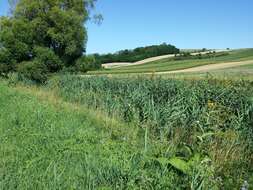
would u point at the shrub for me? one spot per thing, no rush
(48, 58)
(6, 63)
(4, 69)
(33, 70)
(87, 63)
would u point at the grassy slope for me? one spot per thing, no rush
(49, 144)
(169, 65)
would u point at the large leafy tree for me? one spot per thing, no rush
(53, 27)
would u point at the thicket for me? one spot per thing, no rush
(137, 54)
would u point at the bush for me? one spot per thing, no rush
(37, 70)
(87, 63)
(48, 58)
(6, 63)
(4, 69)
(33, 70)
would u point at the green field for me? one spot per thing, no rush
(47, 143)
(133, 133)
(244, 72)
(238, 73)
(169, 64)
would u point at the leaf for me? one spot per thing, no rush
(180, 165)
(188, 149)
(201, 138)
(194, 160)
(163, 161)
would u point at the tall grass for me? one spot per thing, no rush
(165, 104)
(178, 114)
(106, 133)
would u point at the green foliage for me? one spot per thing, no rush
(16, 36)
(137, 54)
(154, 101)
(199, 123)
(50, 32)
(57, 25)
(33, 70)
(87, 63)
(48, 57)
(57, 146)
(6, 62)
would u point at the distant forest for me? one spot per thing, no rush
(137, 54)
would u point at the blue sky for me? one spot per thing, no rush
(185, 23)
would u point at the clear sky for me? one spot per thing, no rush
(185, 23)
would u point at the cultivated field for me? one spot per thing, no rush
(170, 64)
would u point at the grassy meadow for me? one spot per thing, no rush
(170, 64)
(126, 133)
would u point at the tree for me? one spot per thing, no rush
(87, 63)
(53, 27)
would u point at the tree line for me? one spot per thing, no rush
(137, 54)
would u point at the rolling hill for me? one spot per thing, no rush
(171, 64)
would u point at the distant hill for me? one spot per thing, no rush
(137, 54)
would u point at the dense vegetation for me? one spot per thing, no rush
(137, 54)
(42, 37)
(182, 61)
(139, 133)
(202, 129)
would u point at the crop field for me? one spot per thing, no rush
(244, 72)
(170, 64)
(116, 133)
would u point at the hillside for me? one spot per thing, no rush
(170, 64)
(137, 54)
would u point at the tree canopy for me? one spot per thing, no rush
(51, 32)
(137, 54)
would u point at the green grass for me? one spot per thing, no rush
(249, 67)
(56, 145)
(169, 65)
(138, 133)
(175, 112)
